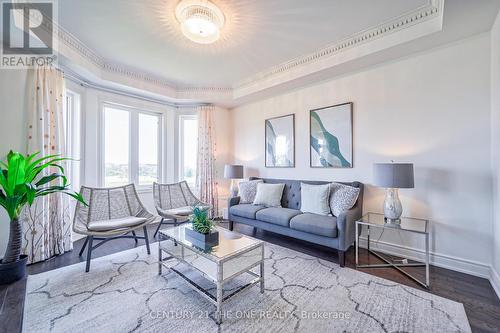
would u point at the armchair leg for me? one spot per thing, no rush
(83, 246)
(89, 252)
(158, 228)
(146, 239)
(135, 237)
(341, 258)
(231, 225)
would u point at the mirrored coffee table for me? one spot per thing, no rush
(419, 227)
(235, 254)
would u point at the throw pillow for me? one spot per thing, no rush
(269, 195)
(314, 199)
(342, 198)
(248, 190)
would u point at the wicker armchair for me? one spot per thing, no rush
(174, 202)
(112, 213)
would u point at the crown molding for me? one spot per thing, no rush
(432, 9)
(274, 76)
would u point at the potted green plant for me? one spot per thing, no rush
(22, 181)
(202, 233)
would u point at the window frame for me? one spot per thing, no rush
(74, 122)
(133, 162)
(180, 138)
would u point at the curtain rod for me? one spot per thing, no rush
(75, 78)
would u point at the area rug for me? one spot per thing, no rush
(124, 293)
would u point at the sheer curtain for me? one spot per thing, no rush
(47, 223)
(206, 175)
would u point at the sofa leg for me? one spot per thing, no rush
(341, 258)
(231, 225)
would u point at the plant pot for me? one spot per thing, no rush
(203, 241)
(13, 271)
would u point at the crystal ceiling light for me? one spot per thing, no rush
(201, 20)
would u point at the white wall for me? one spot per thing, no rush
(432, 109)
(495, 148)
(13, 128)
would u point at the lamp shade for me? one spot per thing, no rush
(393, 175)
(233, 171)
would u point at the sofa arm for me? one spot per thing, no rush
(233, 202)
(346, 227)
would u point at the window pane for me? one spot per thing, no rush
(189, 146)
(148, 148)
(116, 146)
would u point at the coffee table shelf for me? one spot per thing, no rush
(235, 254)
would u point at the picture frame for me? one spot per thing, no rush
(331, 136)
(279, 142)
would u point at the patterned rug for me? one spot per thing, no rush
(124, 293)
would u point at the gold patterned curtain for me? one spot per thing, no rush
(47, 223)
(206, 175)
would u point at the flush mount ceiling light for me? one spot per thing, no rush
(201, 20)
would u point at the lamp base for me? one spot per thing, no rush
(392, 206)
(234, 188)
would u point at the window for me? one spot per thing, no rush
(188, 146)
(116, 147)
(132, 146)
(148, 148)
(72, 138)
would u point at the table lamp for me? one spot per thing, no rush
(393, 176)
(233, 172)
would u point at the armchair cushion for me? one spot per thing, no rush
(113, 224)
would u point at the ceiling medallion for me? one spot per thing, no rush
(201, 21)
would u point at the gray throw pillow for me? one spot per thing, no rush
(269, 195)
(248, 190)
(342, 198)
(314, 199)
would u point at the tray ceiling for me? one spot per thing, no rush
(259, 34)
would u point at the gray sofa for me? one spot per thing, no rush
(334, 232)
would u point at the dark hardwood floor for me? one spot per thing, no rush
(480, 301)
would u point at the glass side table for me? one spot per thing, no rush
(408, 225)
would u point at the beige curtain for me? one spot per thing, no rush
(206, 175)
(47, 223)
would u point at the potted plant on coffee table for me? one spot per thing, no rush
(202, 233)
(22, 180)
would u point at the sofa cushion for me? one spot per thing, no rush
(245, 210)
(314, 198)
(248, 190)
(269, 195)
(315, 224)
(342, 198)
(113, 224)
(275, 215)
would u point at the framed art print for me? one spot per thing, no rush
(331, 136)
(280, 142)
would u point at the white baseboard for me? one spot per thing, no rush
(495, 280)
(437, 259)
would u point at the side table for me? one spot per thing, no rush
(408, 225)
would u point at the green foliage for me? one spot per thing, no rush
(21, 181)
(200, 220)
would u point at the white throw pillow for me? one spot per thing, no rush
(314, 199)
(342, 198)
(269, 195)
(248, 190)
